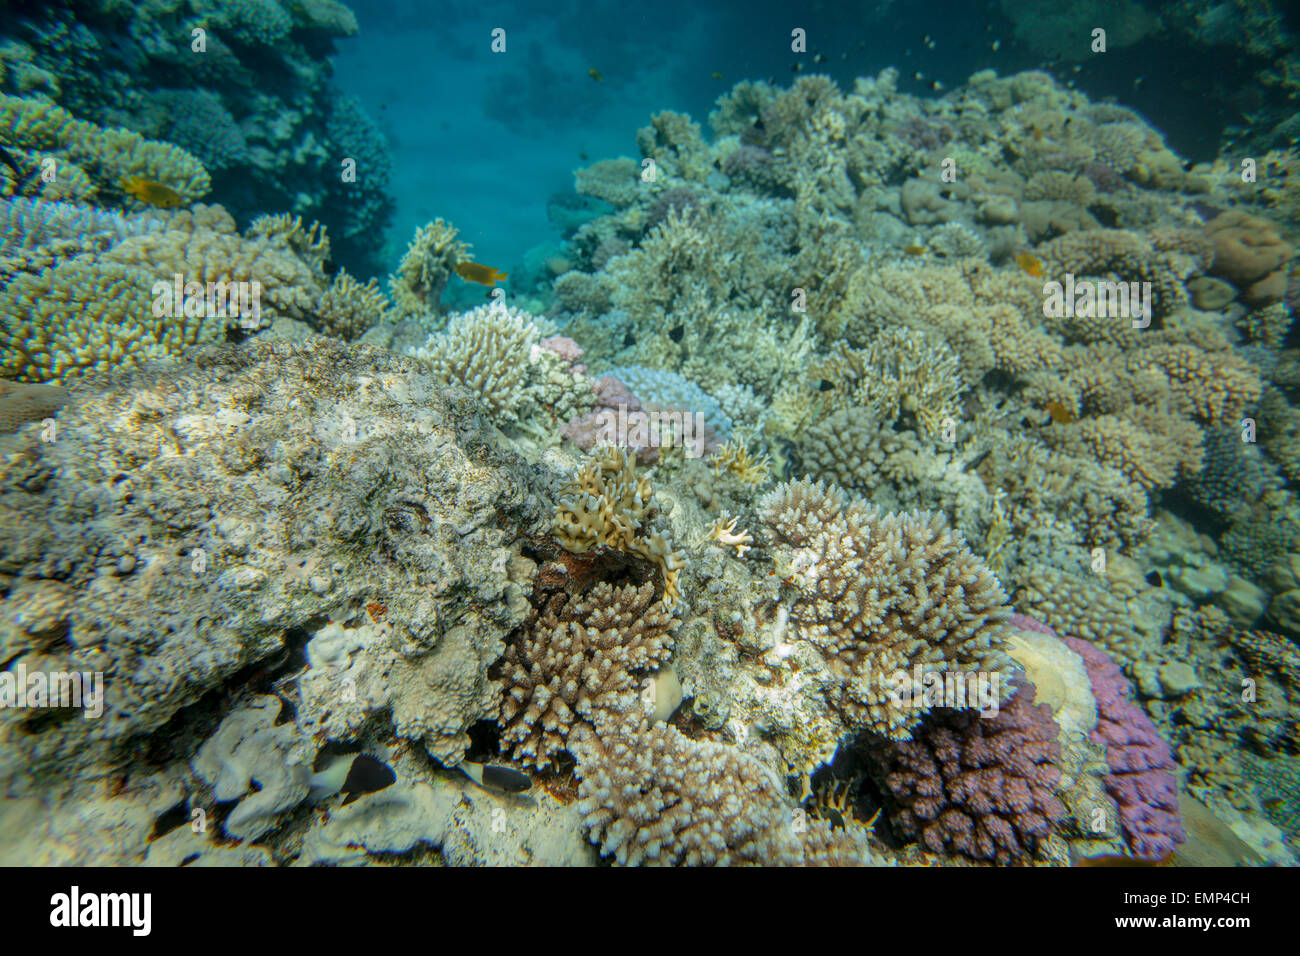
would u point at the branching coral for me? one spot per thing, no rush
(606, 504)
(421, 276)
(488, 350)
(574, 655)
(982, 786)
(37, 130)
(878, 594)
(648, 794)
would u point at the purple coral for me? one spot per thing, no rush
(1141, 779)
(590, 429)
(982, 787)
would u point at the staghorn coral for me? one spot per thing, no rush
(574, 655)
(648, 794)
(976, 785)
(735, 459)
(606, 504)
(878, 594)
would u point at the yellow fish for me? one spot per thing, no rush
(716, 75)
(154, 193)
(914, 250)
(483, 275)
(595, 75)
(1029, 264)
(1060, 414)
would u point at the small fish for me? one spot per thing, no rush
(918, 76)
(476, 272)
(914, 250)
(997, 45)
(928, 42)
(595, 75)
(819, 58)
(936, 85)
(154, 193)
(496, 778)
(716, 75)
(796, 68)
(353, 775)
(1060, 414)
(584, 157)
(1137, 84)
(1029, 264)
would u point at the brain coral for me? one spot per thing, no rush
(980, 786)
(576, 654)
(877, 594)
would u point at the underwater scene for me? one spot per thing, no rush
(584, 434)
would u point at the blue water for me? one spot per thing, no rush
(483, 139)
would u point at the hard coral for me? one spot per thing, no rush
(878, 594)
(606, 504)
(651, 795)
(983, 787)
(574, 655)
(1141, 779)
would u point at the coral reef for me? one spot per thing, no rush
(977, 785)
(1141, 779)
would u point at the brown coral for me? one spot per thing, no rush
(574, 655)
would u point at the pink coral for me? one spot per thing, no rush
(590, 429)
(1141, 780)
(980, 786)
(567, 349)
